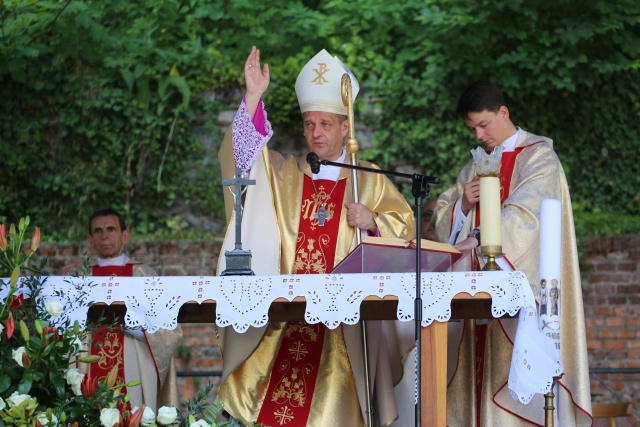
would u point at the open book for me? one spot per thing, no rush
(428, 245)
(394, 255)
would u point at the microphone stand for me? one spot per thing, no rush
(420, 190)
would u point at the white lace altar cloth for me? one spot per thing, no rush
(243, 301)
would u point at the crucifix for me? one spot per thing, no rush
(238, 260)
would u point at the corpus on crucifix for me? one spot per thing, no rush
(238, 260)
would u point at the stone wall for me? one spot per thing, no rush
(610, 269)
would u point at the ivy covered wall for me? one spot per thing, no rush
(99, 100)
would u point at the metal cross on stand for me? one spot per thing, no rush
(238, 260)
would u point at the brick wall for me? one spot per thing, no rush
(167, 257)
(610, 269)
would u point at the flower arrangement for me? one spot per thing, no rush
(40, 347)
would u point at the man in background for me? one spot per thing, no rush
(141, 356)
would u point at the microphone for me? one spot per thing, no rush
(314, 162)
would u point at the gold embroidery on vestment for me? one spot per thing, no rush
(298, 351)
(284, 415)
(311, 258)
(292, 387)
(309, 207)
(111, 350)
(306, 332)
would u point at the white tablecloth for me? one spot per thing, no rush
(243, 301)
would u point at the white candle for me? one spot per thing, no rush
(550, 238)
(550, 270)
(490, 219)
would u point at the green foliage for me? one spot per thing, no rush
(605, 224)
(568, 74)
(198, 407)
(13, 257)
(183, 352)
(102, 97)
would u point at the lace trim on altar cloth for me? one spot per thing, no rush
(153, 303)
(248, 142)
(243, 301)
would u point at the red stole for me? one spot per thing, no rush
(113, 270)
(108, 342)
(295, 370)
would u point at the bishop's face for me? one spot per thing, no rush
(492, 129)
(325, 133)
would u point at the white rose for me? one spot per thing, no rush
(109, 417)
(16, 399)
(200, 423)
(53, 307)
(148, 417)
(17, 355)
(42, 418)
(167, 415)
(74, 378)
(77, 344)
(2, 404)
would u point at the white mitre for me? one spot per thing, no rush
(318, 86)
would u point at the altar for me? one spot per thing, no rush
(241, 302)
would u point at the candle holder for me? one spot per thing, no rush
(548, 403)
(488, 170)
(491, 252)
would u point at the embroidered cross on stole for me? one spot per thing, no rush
(295, 370)
(108, 342)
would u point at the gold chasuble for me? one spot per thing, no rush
(298, 374)
(477, 393)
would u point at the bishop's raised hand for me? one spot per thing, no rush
(256, 79)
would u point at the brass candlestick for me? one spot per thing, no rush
(548, 403)
(491, 252)
(488, 169)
